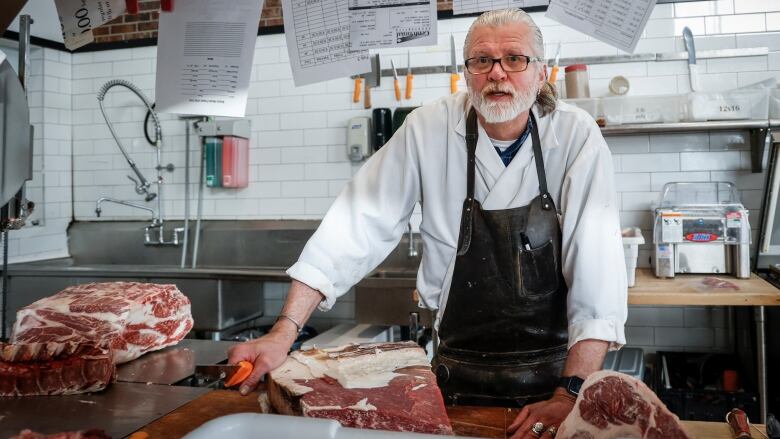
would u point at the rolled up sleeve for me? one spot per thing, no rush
(592, 250)
(365, 222)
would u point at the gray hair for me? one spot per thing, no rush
(547, 93)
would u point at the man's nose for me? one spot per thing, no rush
(497, 73)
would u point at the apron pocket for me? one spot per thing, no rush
(539, 270)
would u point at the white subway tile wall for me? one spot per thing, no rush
(298, 163)
(49, 91)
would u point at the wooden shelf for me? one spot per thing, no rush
(682, 291)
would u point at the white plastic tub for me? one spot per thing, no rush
(730, 105)
(632, 238)
(641, 109)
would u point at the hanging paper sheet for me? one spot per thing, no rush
(317, 34)
(79, 17)
(618, 23)
(204, 57)
(374, 24)
(473, 6)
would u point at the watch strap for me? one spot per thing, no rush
(572, 384)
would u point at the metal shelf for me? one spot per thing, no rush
(758, 129)
(685, 127)
(606, 59)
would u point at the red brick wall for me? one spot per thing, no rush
(144, 24)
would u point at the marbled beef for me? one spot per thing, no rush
(131, 318)
(383, 386)
(53, 369)
(614, 405)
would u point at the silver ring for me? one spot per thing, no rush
(537, 428)
(552, 430)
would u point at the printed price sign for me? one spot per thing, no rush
(79, 17)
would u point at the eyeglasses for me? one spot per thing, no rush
(480, 65)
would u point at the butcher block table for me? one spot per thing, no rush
(686, 290)
(486, 422)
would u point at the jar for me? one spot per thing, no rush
(577, 81)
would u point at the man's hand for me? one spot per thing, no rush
(265, 353)
(550, 413)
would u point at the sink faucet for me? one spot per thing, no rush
(142, 185)
(412, 250)
(157, 222)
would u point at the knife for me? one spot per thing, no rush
(215, 375)
(693, 69)
(396, 84)
(454, 77)
(409, 76)
(371, 80)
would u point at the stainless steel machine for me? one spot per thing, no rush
(701, 227)
(16, 150)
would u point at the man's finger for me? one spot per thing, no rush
(254, 378)
(525, 430)
(518, 420)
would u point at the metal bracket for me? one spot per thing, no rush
(758, 140)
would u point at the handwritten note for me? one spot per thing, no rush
(618, 23)
(204, 57)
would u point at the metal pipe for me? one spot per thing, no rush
(24, 50)
(184, 246)
(201, 183)
(761, 351)
(98, 210)
(142, 185)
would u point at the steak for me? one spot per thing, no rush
(53, 369)
(381, 386)
(87, 434)
(130, 318)
(615, 405)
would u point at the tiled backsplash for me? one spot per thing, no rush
(298, 161)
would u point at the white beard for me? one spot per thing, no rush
(498, 112)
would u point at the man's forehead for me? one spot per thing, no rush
(515, 36)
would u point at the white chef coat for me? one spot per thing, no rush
(425, 162)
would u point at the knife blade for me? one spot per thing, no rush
(372, 79)
(454, 77)
(693, 69)
(215, 374)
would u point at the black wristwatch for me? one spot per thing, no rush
(572, 384)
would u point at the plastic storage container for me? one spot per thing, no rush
(630, 361)
(730, 105)
(235, 162)
(691, 385)
(632, 239)
(591, 105)
(642, 109)
(577, 82)
(774, 103)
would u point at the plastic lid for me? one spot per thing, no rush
(576, 67)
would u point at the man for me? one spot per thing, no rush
(527, 273)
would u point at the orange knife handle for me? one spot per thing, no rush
(553, 75)
(454, 78)
(409, 80)
(397, 85)
(367, 96)
(356, 91)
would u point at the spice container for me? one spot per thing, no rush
(577, 81)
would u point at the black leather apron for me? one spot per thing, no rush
(503, 335)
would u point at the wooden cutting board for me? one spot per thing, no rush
(486, 422)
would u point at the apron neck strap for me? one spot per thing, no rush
(539, 159)
(472, 133)
(471, 144)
